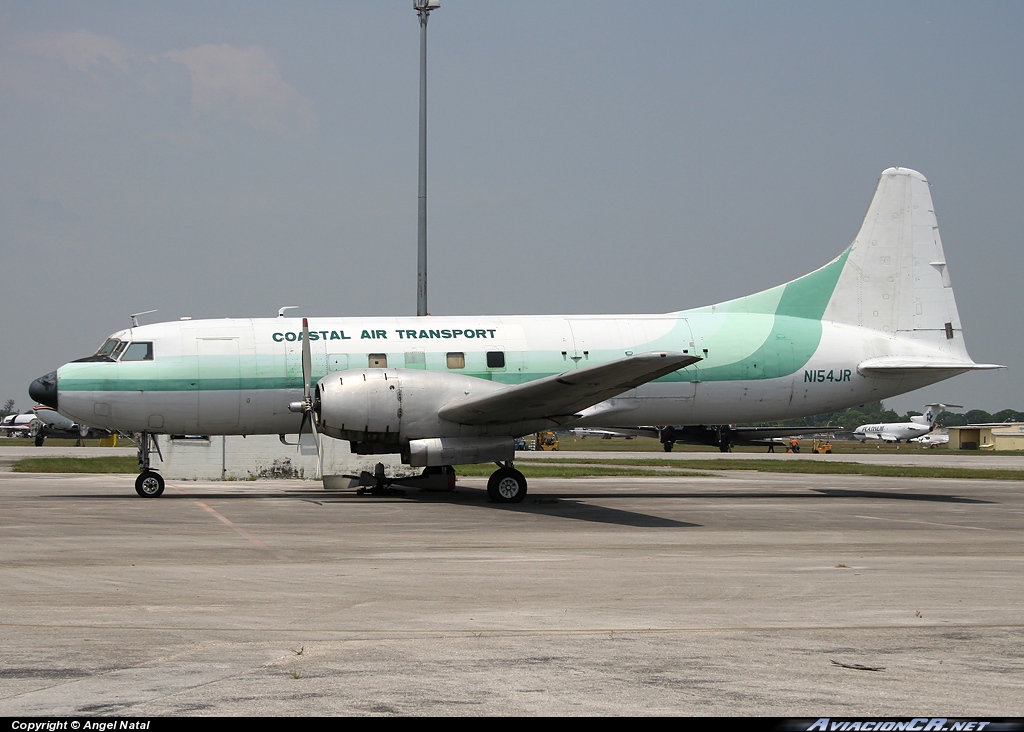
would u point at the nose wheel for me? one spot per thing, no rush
(149, 484)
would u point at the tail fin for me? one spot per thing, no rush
(931, 414)
(892, 279)
(895, 279)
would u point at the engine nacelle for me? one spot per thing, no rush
(391, 407)
(361, 404)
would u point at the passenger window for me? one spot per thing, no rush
(456, 360)
(495, 359)
(378, 360)
(138, 352)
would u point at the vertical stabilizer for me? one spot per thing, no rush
(895, 279)
(931, 414)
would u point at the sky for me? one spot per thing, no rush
(227, 159)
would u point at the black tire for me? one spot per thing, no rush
(667, 446)
(506, 485)
(149, 484)
(40, 439)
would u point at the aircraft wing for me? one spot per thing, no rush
(561, 396)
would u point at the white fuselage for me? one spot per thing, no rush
(239, 376)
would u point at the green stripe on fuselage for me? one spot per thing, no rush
(795, 310)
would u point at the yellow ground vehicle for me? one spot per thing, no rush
(546, 441)
(822, 446)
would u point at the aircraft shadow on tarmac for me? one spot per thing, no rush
(849, 493)
(561, 506)
(573, 506)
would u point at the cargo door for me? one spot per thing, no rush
(219, 384)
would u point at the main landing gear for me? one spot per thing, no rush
(506, 484)
(149, 484)
(667, 435)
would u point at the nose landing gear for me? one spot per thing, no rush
(149, 484)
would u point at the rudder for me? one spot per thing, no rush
(895, 279)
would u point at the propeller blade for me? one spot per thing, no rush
(307, 361)
(319, 452)
(302, 427)
(307, 399)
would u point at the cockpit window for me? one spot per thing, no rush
(108, 347)
(118, 350)
(138, 351)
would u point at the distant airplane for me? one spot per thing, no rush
(878, 320)
(43, 422)
(933, 440)
(19, 425)
(726, 436)
(584, 432)
(902, 431)
(53, 423)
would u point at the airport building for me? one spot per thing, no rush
(999, 436)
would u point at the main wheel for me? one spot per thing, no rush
(506, 485)
(149, 484)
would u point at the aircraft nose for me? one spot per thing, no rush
(44, 390)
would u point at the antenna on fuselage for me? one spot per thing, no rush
(135, 317)
(280, 313)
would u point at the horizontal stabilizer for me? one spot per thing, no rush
(563, 395)
(897, 365)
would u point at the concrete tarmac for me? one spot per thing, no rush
(737, 594)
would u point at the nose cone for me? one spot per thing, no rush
(44, 390)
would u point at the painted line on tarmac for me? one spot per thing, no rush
(229, 523)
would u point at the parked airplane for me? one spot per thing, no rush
(725, 436)
(896, 431)
(585, 432)
(722, 436)
(877, 321)
(933, 439)
(19, 425)
(41, 423)
(52, 422)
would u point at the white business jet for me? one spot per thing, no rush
(878, 320)
(918, 425)
(933, 440)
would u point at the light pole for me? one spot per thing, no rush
(423, 8)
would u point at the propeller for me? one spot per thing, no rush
(307, 405)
